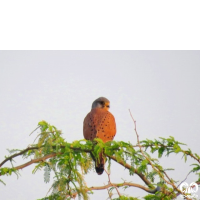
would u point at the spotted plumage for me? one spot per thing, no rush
(99, 123)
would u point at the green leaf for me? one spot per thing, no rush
(2, 182)
(160, 152)
(42, 123)
(177, 148)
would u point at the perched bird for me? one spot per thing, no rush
(99, 123)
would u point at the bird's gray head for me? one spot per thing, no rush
(101, 102)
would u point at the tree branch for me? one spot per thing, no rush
(122, 185)
(117, 185)
(17, 154)
(126, 165)
(155, 168)
(32, 148)
(35, 161)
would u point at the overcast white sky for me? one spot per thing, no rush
(162, 89)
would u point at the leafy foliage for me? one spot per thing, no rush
(71, 161)
(126, 198)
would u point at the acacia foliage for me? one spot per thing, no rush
(71, 161)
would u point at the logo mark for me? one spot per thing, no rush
(189, 190)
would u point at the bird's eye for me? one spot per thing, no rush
(108, 106)
(101, 102)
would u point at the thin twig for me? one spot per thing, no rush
(156, 169)
(109, 195)
(184, 179)
(34, 130)
(109, 181)
(17, 154)
(182, 182)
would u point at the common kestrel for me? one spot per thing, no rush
(99, 123)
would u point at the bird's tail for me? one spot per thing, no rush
(99, 163)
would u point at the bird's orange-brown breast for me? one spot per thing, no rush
(99, 123)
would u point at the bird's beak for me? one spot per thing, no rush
(107, 106)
